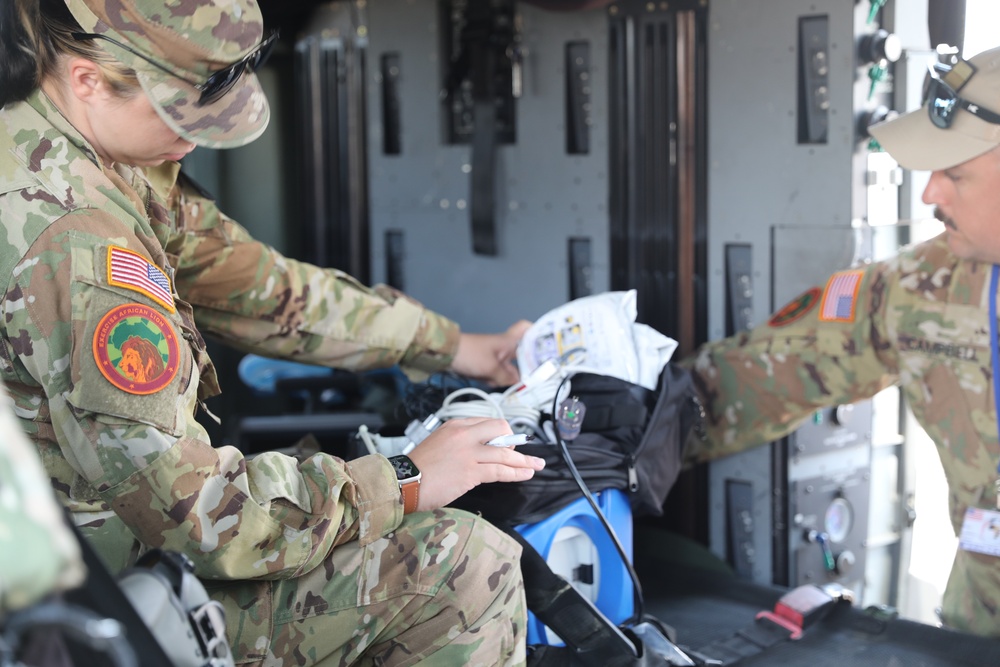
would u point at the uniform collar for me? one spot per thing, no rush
(47, 109)
(44, 143)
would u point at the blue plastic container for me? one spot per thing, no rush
(576, 546)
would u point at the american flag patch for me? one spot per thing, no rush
(840, 298)
(133, 271)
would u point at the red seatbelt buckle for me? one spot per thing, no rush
(801, 607)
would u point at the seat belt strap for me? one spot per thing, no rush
(483, 191)
(797, 610)
(593, 638)
(479, 44)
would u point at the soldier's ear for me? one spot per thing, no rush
(85, 78)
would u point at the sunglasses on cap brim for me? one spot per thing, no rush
(220, 82)
(941, 87)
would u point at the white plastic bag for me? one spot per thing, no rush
(600, 333)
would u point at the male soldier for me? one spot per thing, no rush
(926, 319)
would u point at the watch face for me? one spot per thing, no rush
(404, 467)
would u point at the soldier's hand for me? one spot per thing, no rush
(454, 459)
(490, 357)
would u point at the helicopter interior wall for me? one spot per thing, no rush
(544, 196)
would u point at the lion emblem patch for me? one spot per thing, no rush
(136, 349)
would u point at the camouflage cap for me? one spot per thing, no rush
(918, 143)
(192, 38)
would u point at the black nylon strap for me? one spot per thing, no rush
(595, 641)
(754, 639)
(797, 609)
(483, 204)
(479, 46)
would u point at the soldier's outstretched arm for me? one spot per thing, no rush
(826, 347)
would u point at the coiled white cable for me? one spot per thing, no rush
(522, 404)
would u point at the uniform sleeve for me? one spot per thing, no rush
(39, 555)
(249, 295)
(828, 346)
(118, 371)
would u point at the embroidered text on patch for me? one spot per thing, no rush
(133, 271)
(136, 349)
(840, 298)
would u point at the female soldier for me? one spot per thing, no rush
(314, 561)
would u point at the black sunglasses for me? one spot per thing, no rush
(941, 95)
(220, 82)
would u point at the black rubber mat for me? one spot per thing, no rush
(704, 603)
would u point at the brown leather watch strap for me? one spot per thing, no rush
(411, 495)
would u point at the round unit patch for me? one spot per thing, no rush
(796, 308)
(136, 349)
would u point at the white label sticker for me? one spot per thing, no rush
(981, 531)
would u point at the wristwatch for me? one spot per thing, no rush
(408, 476)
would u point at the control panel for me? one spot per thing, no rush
(824, 526)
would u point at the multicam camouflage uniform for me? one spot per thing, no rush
(314, 560)
(39, 554)
(921, 320)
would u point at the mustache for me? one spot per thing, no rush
(948, 222)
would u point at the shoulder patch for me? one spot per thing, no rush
(136, 349)
(840, 298)
(796, 308)
(131, 270)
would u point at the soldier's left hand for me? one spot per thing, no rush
(490, 357)
(454, 459)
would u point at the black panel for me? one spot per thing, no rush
(813, 83)
(331, 143)
(394, 254)
(656, 171)
(740, 527)
(658, 189)
(578, 94)
(580, 268)
(780, 502)
(392, 141)
(739, 287)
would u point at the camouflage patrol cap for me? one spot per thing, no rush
(918, 143)
(193, 38)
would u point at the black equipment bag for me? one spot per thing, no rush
(632, 438)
